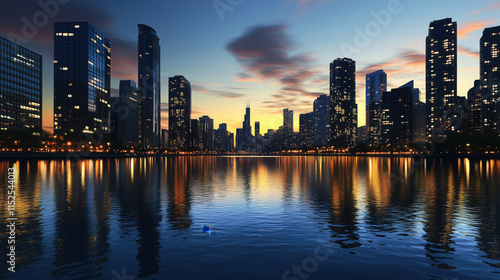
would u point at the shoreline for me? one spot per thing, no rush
(77, 156)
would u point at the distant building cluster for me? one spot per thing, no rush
(85, 109)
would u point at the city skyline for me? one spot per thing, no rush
(402, 60)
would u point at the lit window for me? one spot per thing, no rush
(77, 107)
(77, 26)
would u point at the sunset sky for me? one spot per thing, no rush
(271, 54)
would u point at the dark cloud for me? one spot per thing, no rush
(32, 25)
(266, 53)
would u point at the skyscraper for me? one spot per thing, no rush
(397, 117)
(343, 107)
(441, 77)
(207, 133)
(257, 129)
(490, 79)
(125, 109)
(20, 88)
(288, 119)
(475, 99)
(247, 128)
(179, 112)
(322, 121)
(244, 138)
(82, 58)
(376, 85)
(306, 130)
(149, 87)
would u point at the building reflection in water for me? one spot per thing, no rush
(68, 208)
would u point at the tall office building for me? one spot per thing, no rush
(288, 119)
(82, 58)
(343, 107)
(149, 87)
(441, 77)
(247, 128)
(475, 101)
(224, 140)
(179, 113)
(20, 88)
(376, 85)
(257, 129)
(125, 112)
(306, 130)
(195, 135)
(490, 79)
(397, 117)
(207, 133)
(322, 121)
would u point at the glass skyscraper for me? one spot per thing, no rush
(441, 77)
(343, 108)
(322, 121)
(179, 113)
(376, 85)
(126, 109)
(149, 87)
(20, 88)
(82, 58)
(490, 79)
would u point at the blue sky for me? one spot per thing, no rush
(271, 54)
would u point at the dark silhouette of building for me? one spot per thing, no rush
(397, 117)
(306, 130)
(224, 140)
(195, 135)
(244, 138)
(82, 89)
(322, 121)
(441, 77)
(490, 79)
(376, 85)
(257, 129)
(149, 87)
(478, 103)
(179, 112)
(343, 108)
(20, 88)
(288, 119)
(207, 133)
(125, 114)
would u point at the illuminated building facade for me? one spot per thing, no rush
(490, 79)
(441, 78)
(376, 85)
(149, 87)
(20, 88)
(322, 121)
(179, 112)
(82, 57)
(343, 107)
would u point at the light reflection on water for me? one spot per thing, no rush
(95, 219)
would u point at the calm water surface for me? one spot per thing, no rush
(255, 218)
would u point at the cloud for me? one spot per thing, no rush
(467, 52)
(30, 21)
(266, 54)
(404, 62)
(123, 59)
(22, 23)
(226, 93)
(472, 26)
(492, 7)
